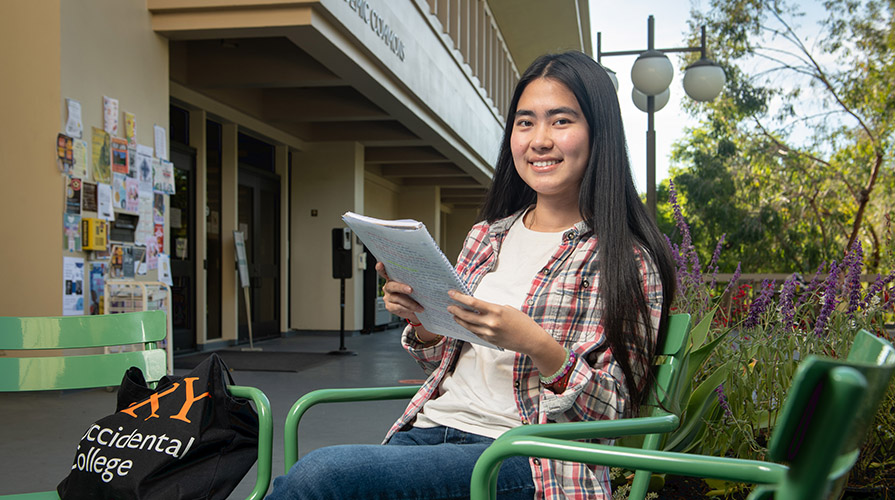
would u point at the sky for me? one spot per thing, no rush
(624, 27)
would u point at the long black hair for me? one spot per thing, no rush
(609, 204)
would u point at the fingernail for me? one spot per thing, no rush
(451, 293)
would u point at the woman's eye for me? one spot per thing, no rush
(563, 121)
(523, 123)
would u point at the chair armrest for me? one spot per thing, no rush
(747, 471)
(304, 403)
(265, 437)
(595, 429)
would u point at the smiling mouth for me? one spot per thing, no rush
(545, 163)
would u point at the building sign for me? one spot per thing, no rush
(379, 25)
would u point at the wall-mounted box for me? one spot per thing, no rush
(124, 227)
(94, 234)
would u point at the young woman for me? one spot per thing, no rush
(570, 276)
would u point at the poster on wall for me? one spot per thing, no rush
(140, 261)
(97, 273)
(119, 156)
(73, 125)
(71, 232)
(163, 180)
(161, 142)
(158, 209)
(73, 195)
(80, 158)
(119, 191)
(72, 286)
(132, 187)
(102, 163)
(121, 262)
(145, 225)
(88, 197)
(104, 202)
(152, 252)
(130, 129)
(164, 269)
(110, 115)
(143, 166)
(64, 153)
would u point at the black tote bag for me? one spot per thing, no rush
(186, 439)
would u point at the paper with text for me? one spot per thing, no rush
(412, 257)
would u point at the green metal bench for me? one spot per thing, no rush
(668, 372)
(827, 412)
(59, 372)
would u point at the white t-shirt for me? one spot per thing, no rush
(477, 397)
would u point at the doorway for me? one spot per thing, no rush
(183, 251)
(259, 221)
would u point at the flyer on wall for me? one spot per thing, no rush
(119, 156)
(102, 163)
(80, 158)
(72, 286)
(110, 115)
(104, 202)
(130, 129)
(97, 286)
(74, 126)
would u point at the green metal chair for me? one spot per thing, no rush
(67, 371)
(667, 376)
(830, 406)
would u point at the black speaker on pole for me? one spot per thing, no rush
(342, 271)
(341, 253)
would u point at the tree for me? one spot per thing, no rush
(794, 160)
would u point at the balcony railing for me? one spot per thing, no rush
(477, 44)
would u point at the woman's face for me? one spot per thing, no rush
(550, 140)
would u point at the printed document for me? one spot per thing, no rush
(412, 257)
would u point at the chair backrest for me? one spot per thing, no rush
(828, 410)
(673, 348)
(33, 372)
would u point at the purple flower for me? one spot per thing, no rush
(733, 280)
(722, 400)
(713, 264)
(878, 286)
(760, 304)
(787, 311)
(854, 262)
(831, 299)
(679, 221)
(812, 286)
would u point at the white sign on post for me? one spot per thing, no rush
(241, 263)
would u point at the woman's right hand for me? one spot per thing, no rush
(397, 297)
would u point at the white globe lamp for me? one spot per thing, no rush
(640, 99)
(703, 80)
(652, 72)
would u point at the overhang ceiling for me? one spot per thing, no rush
(270, 78)
(531, 28)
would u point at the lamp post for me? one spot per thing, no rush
(651, 75)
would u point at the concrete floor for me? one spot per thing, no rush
(39, 431)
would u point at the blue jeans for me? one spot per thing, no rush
(425, 464)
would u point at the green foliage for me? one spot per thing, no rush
(747, 347)
(793, 162)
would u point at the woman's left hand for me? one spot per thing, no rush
(507, 327)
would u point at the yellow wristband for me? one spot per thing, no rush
(428, 343)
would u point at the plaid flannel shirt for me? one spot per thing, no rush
(564, 300)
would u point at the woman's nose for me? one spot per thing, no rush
(541, 138)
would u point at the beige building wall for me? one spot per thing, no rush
(327, 181)
(31, 194)
(65, 56)
(459, 222)
(380, 198)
